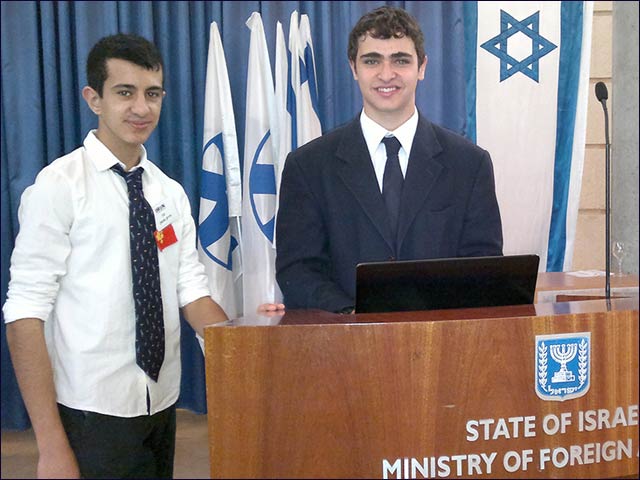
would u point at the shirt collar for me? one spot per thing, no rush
(374, 132)
(102, 157)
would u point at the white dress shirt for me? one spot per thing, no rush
(373, 135)
(71, 268)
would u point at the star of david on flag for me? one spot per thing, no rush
(498, 46)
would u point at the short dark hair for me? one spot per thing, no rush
(125, 46)
(386, 22)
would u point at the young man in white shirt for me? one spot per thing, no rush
(70, 314)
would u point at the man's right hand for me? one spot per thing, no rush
(32, 366)
(271, 309)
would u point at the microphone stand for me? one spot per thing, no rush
(607, 206)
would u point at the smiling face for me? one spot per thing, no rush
(387, 72)
(128, 109)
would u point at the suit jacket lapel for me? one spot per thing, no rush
(421, 176)
(356, 171)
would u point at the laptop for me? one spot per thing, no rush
(443, 283)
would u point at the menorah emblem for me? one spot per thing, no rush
(563, 365)
(563, 353)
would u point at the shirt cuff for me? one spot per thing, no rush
(347, 310)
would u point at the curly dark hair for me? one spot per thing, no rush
(124, 46)
(386, 22)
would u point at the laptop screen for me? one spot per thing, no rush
(443, 283)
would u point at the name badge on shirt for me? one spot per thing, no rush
(165, 214)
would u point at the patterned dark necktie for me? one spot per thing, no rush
(392, 182)
(146, 277)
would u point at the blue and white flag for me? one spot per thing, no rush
(528, 79)
(220, 202)
(283, 139)
(293, 78)
(308, 116)
(259, 193)
(296, 96)
(302, 97)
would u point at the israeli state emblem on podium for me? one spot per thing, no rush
(563, 365)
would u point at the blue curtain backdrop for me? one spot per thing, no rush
(44, 49)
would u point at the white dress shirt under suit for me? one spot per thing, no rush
(374, 133)
(71, 268)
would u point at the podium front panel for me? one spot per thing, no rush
(393, 396)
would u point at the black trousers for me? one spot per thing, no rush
(117, 447)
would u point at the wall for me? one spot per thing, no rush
(614, 61)
(590, 232)
(625, 137)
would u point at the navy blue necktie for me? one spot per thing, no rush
(146, 276)
(392, 182)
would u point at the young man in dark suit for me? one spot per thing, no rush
(344, 199)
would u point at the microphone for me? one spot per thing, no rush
(602, 95)
(601, 92)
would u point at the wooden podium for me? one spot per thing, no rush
(440, 394)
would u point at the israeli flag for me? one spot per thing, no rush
(282, 114)
(302, 96)
(296, 91)
(308, 116)
(259, 193)
(527, 89)
(220, 197)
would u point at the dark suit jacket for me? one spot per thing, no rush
(332, 216)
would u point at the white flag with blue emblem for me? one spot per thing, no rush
(259, 193)
(220, 197)
(530, 86)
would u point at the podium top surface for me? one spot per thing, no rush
(319, 317)
(547, 282)
(573, 281)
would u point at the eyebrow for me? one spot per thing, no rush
(133, 87)
(377, 55)
(124, 85)
(401, 55)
